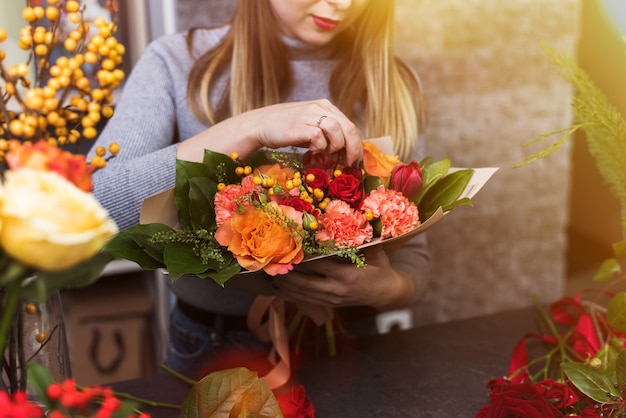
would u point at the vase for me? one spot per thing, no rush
(37, 334)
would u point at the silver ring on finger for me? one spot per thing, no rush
(321, 118)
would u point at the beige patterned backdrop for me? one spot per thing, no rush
(490, 88)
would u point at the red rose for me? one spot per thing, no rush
(347, 188)
(319, 178)
(517, 400)
(295, 403)
(300, 205)
(559, 394)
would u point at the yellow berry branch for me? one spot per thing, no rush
(62, 105)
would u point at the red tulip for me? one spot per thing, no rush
(407, 179)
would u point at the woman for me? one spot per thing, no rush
(316, 74)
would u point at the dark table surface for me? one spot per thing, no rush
(438, 370)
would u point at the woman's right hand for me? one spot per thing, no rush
(317, 125)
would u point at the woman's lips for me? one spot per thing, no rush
(326, 24)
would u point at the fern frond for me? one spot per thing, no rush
(603, 125)
(568, 132)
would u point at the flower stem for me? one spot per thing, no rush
(178, 375)
(147, 402)
(12, 302)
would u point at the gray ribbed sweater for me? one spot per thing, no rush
(152, 113)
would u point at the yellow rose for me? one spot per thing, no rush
(48, 223)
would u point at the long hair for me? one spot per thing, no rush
(367, 73)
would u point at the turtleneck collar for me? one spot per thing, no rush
(302, 51)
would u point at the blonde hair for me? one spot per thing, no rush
(367, 73)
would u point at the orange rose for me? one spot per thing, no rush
(260, 239)
(376, 163)
(42, 156)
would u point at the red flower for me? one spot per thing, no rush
(407, 179)
(319, 178)
(295, 403)
(18, 405)
(559, 394)
(347, 188)
(397, 214)
(344, 225)
(300, 205)
(510, 399)
(45, 157)
(357, 173)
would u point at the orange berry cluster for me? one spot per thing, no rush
(58, 101)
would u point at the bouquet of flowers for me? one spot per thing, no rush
(280, 209)
(576, 365)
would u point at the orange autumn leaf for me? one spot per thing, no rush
(235, 392)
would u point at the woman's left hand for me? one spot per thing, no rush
(335, 281)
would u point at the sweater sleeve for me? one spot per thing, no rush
(144, 126)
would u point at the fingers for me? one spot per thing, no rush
(317, 124)
(339, 134)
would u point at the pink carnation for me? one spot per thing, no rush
(343, 225)
(229, 200)
(397, 214)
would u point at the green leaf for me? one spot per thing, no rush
(608, 357)
(431, 173)
(619, 249)
(185, 171)
(371, 183)
(607, 270)
(445, 193)
(222, 275)
(201, 202)
(262, 158)
(620, 370)
(39, 378)
(235, 392)
(135, 244)
(592, 382)
(616, 312)
(181, 259)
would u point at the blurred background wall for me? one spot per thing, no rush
(491, 88)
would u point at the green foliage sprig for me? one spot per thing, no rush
(602, 123)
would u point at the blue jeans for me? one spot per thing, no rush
(193, 345)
